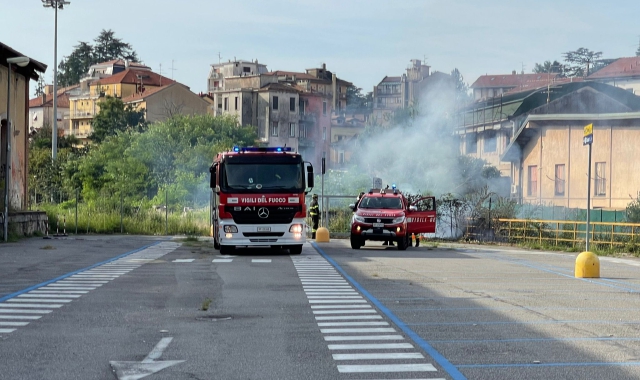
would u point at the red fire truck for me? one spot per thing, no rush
(386, 215)
(259, 198)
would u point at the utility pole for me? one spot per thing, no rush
(219, 58)
(172, 69)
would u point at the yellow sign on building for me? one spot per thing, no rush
(588, 130)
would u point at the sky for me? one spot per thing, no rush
(361, 41)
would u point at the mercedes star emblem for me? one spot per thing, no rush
(263, 212)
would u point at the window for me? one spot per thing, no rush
(226, 104)
(275, 102)
(236, 103)
(303, 131)
(324, 108)
(490, 141)
(274, 128)
(341, 157)
(532, 188)
(301, 106)
(472, 143)
(246, 69)
(324, 134)
(292, 129)
(560, 180)
(292, 104)
(601, 181)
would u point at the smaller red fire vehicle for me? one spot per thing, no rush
(386, 215)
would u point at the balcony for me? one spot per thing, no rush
(304, 142)
(308, 118)
(82, 114)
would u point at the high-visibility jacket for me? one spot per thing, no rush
(314, 209)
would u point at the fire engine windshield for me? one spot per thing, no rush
(261, 177)
(381, 202)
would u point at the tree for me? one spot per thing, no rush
(638, 51)
(579, 60)
(40, 86)
(462, 88)
(357, 102)
(107, 47)
(114, 117)
(549, 67)
(76, 65)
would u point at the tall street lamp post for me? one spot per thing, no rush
(22, 62)
(55, 4)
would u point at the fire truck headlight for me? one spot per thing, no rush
(398, 220)
(230, 229)
(296, 228)
(228, 236)
(358, 219)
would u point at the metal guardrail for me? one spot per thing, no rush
(556, 232)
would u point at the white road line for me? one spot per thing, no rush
(338, 338)
(347, 317)
(183, 260)
(57, 287)
(359, 330)
(7, 331)
(227, 256)
(222, 260)
(59, 292)
(370, 311)
(340, 306)
(345, 324)
(337, 301)
(18, 317)
(74, 284)
(343, 283)
(333, 296)
(395, 355)
(48, 296)
(370, 346)
(80, 282)
(42, 306)
(322, 287)
(36, 300)
(13, 324)
(332, 293)
(20, 311)
(261, 260)
(386, 368)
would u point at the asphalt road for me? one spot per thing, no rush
(120, 307)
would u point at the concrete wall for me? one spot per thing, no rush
(615, 144)
(27, 223)
(175, 99)
(18, 137)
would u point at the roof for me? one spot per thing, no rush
(145, 94)
(293, 73)
(538, 85)
(29, 70)
(391, 79)
(121, 62)
(130, 76)
(514, 80)
(40, 101)
(620, 68)
(278, 87)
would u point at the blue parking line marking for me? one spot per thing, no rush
(522, 323)
(12, 295)
(526, 340)
(441, 360)
(586, 364)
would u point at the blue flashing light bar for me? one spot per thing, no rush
(393, 185)
(262, 149)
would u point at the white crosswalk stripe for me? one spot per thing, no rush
(345, 318)
(30, 306)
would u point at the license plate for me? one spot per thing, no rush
(377, 225)
(264, 229)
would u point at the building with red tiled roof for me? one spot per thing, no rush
(489, 86)
(160, 103)
(623, 73)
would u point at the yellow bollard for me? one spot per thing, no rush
(587, 265)
(322, 235)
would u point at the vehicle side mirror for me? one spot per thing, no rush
(413, 208)
(310, 179)
(212, 179)
(352, 207)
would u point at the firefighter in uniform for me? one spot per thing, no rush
(314, 213)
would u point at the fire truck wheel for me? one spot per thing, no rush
(356, 242)
(403, 243)
(216, 245)
(295, 249)
(226, 249)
